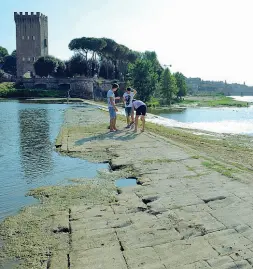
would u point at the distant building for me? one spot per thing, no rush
(31, 40)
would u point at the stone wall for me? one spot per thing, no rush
(79, 87)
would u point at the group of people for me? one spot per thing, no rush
(131, 105)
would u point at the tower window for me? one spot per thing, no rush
(34, 59)
(28, 37)
(28, 59)
(23, 59)
(23, 37)
(33, 37)
(45, 42)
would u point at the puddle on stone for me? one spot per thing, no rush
(125, 182)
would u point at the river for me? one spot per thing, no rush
(230, 120)
(27, 154)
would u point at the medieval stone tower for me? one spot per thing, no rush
(31, 40)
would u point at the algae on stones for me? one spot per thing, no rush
(38, 231)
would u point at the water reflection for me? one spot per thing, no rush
(27, 156)
(35, 154)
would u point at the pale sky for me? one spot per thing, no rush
(210, 39)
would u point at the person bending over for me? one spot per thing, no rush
(141, 110)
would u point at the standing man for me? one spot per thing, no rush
(141, 110)
(112, 107)
(128, 97)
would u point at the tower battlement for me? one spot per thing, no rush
(28, 15)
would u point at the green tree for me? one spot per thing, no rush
(78, 65)
(3, 53)
(61, 69)
(10, 65)
(181, 85)
(45, 66)
(168, 86)
(143, 78)
(14, 53)
(152, 57)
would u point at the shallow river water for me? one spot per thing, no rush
(27, 155)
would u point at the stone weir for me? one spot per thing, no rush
(78, 87)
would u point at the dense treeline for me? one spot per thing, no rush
(105, 58)
(7, 62)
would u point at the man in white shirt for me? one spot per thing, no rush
(128, 97)
(112, 107)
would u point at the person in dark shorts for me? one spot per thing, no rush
(141, 110)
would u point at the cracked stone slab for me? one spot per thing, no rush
(242, 255)
(85, 212)
(104, 258)
(176, 200)
(228, 241)
(146, 237)
(220, 261)
(185, 252)
(91, 239)
(145, 258)
(196, 265)
(222, 203)
(205, 219)
(235, 214)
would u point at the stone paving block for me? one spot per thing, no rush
(99, 258)
(170, 169)
(185, 252)
(234, 215)
(213, 194)
(242, 255)
(143, 258)
(89, 224)
(196, 265)
(203, 218)
(228, 201)
(84, 240)
(220, 261)
(227, 241)
(176, 200)
(243, 264)
(146, 237)
(85, 212)
(143, 219)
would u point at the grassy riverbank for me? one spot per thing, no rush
(212, 101)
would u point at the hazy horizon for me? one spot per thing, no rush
(207, 39)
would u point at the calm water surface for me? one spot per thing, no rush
(27, 155)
